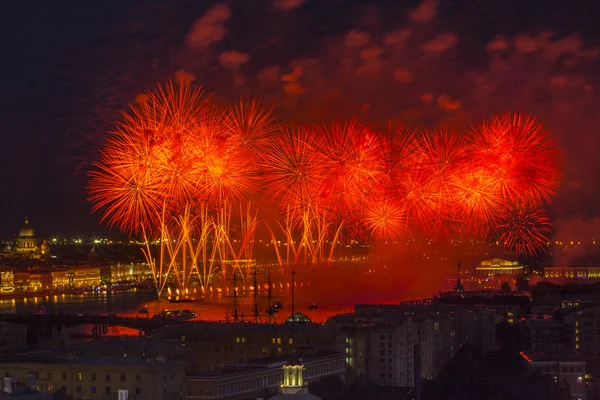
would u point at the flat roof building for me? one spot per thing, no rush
(85, 377)
(262, 378)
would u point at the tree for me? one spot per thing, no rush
(522, 284)
(500, 375)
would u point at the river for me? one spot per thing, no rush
(213, 308)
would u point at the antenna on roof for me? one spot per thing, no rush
(293, 315)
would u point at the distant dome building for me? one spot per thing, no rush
(26, 242)
(298, 318)
(45, 248)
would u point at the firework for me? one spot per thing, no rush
(385, 219)
(178, 168)
(524, 230)
(519, 158)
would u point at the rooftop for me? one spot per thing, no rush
(243, 327)
(539, 357)
(157, 363)
(261, 365)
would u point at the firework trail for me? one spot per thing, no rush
(178, 168)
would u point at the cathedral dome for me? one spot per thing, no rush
(298, 318)
(26, 231)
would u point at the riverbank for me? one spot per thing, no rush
(74, 291)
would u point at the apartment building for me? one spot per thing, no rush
(213, 346)
(97, 377)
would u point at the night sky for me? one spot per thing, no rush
(70, 67)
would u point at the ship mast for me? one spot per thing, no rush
(255, 300)
(270, 301)
(293, 315)
(235, 304)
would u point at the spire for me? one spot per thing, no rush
(459, 288)
(26, 220)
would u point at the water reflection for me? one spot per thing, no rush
(213, 308)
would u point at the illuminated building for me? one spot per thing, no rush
(498, 267)
(567, 371)
(263, 378)
(22, 281)
(126, 273)
(567, 273)
(84, 277)
(26, 242)
(7, 282)
(60, 278)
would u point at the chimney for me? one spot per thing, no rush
(8, 384)
(31, 380)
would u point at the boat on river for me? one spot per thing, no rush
(177, 315)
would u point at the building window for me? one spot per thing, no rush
(189, 390)
(64, 376)
(107, 390)
(79, 376)
(123, 378)
(138, 379)
(138, 390)
(198, 391)
(93, 389)
(107, 378)
(93, 376)
(78, 389)
(49, 375)
(291, 341)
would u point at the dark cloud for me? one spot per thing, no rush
(421, 71)
(429, 63)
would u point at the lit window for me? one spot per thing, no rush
(237, 340)
(291, 341)
(79, 376)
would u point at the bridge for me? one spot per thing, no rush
(45, 323)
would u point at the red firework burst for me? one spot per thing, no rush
(385, 219)
(519, 156)
(177, 150)
(525, 230)
(146, 164)
(351, 165)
